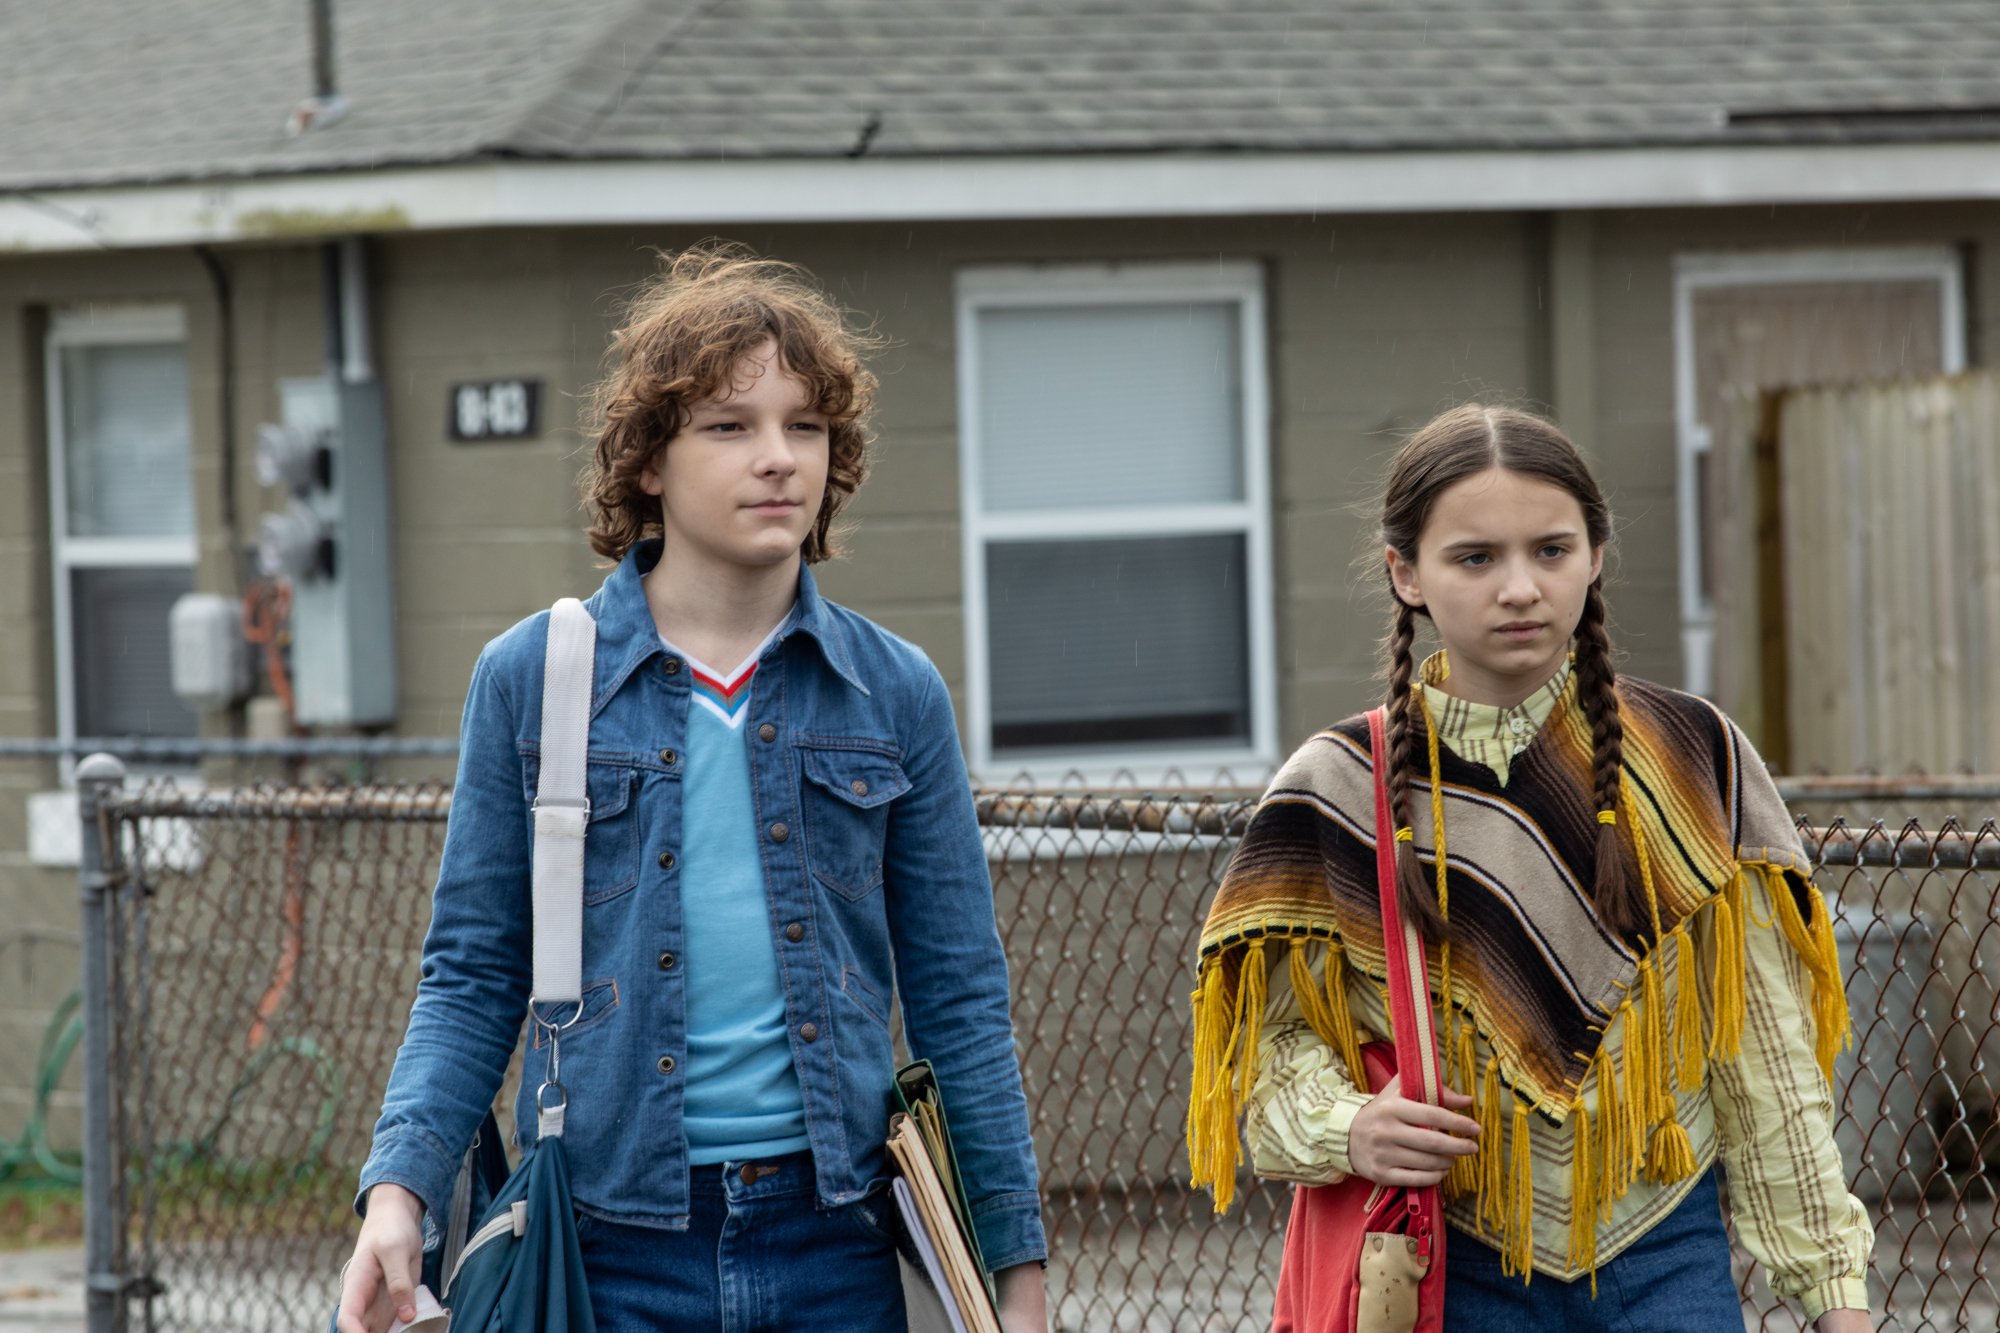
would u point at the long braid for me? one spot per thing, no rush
(1414, 894)
(1618, 900)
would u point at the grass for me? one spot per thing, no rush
(201, 1200)
(195, 1200)
(36, 1212)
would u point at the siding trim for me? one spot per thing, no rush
(1084, 185)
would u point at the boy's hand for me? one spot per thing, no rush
(380, 1281)
(1023, 1299)
(1396, 1141)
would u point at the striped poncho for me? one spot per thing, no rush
(1529, 967)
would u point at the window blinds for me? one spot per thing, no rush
(1109, 406)
(1118, 640)
(126, 440)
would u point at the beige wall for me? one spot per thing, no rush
(1375, 323)
(487, 533)
(1357, 352)
(36, 972)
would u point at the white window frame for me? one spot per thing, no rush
(1240, 283)
(1698, 272)
(95, 326)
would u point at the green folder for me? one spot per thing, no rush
(918, 1097)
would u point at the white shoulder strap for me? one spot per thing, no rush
(562, 805)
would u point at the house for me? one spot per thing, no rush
(1165, 278)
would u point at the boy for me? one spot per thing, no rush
(776, 848)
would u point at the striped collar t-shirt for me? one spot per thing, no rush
(726, 694)
(742, 1097)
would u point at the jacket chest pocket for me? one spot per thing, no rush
(845, 808)
(611, 843)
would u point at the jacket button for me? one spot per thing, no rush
(795, 932)
(808, 1032)
(858, 787)
(666, 1064)
(666, 860)
(668, 757)
(779, 833)
(667, 961)
(767, 732)
(672, 666)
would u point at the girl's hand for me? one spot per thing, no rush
(380, 1281)
(1023, 1299)
(1396, 1141)
(1845, 1321)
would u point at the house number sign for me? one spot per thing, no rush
(495, 410)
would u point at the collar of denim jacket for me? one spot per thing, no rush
(627, 637)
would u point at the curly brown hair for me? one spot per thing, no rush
(681, 339)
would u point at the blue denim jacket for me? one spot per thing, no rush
(877, 883)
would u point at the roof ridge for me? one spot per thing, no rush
(596, 82)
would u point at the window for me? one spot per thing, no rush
(1117, 542)
(122, 516)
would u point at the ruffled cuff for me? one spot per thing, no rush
(1306, 1140)
(1836, 1293)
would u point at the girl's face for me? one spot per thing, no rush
(1503, 566)
(742, 483)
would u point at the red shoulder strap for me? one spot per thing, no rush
(1409, 978)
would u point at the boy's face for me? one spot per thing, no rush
(743, 481)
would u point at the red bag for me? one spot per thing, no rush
(1362, 1257)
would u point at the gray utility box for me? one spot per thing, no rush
(344, 613)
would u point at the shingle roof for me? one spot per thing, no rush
(104, 90)
(1040, 76)
(124, 90)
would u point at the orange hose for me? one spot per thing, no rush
(294, 946)
(267, 615)
(267, 611)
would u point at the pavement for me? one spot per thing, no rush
(41, 1291)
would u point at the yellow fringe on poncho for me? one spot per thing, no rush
(1701, 819)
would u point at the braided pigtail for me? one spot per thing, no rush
(1415, 896)
(1464, 442)
(1619, 901)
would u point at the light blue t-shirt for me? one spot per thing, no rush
(743, 1098)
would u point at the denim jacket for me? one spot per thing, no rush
(876, 879)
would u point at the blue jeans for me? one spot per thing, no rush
(759, 1256)
(1673, 1279)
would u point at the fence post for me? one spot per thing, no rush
(97, 777)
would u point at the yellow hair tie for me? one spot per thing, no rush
(1406, 835)
(1607, 816)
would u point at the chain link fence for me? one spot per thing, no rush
(265, 954)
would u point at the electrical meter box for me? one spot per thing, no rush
(334, 545)
(206, 653)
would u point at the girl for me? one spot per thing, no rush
(781, 844)
(1634, 975)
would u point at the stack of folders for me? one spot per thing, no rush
(930, 1193)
